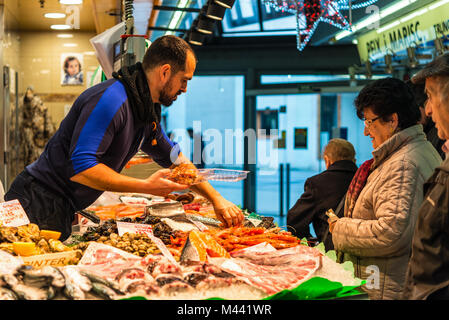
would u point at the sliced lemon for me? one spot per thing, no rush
(24, 248)
(48, 234)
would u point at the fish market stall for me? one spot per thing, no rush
(139, 246)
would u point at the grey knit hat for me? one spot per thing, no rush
(437, 68)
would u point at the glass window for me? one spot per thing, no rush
(243, 17)
(215, 117)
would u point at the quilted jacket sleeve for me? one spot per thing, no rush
(395, 200)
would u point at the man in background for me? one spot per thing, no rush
(323, 192)
(428, 125)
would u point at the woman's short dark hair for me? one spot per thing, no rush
(167, 49)
(387, 96)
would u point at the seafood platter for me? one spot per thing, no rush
(138, 245)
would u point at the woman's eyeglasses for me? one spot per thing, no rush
(369, 122)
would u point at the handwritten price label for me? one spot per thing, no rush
(147, 229)
(12, 214)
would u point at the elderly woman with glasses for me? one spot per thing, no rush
(383, 199)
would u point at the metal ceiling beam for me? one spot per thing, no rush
(273, 55)
(169, 8)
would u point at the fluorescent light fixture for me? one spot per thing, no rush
(438, 4)
(60, 27)
(70, 45)
(65, 35)
(388, 26)
(374, 18)
(89, 53)
(54, 15)
(69, 2)
(414, 14)
(176, 18)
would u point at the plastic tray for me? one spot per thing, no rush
(222, 174)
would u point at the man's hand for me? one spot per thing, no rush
(227, 212)
(159, 185)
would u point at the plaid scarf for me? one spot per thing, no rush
(356, 186)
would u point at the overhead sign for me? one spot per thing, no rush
(419, 27)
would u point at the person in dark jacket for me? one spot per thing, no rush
(322, 192)
(426, 121)
(428, 268)
(106, 126)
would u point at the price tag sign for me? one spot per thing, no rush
(12, 214)
(139, 228)
(147, 229)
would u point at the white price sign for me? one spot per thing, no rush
(12, 214)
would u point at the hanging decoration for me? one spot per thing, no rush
(309, 13)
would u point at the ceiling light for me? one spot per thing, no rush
(439, 46)
(196, 38)
(225, 3)
(411, 53)
(54, 15)
(389, 63)
(369, 69)
(70, 1)
(70, 45)
(176, 17)
(215, 11)
(437, 4)
(60, 27)
(65, 35)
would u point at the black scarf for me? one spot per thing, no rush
(139, 97)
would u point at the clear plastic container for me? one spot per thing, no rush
(222, 174)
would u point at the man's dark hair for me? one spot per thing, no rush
(387, 96)
(167, 49)
(419, 92)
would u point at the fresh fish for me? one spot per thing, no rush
(72, 289)
(73, 273)
(189, 252)
(164, 279)
(165, 209)
(25, 292)
(51, 292)
(42, 277)
(9, 279)
(73, 292)
(205, 220)
(7, 294)
(103, 291)
(193, 278)
(145, 286)
(111, 284)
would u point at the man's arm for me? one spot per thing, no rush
(226, 211)
(101, 177)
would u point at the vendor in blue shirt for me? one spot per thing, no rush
(106, 126)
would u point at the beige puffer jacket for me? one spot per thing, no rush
(377, 238)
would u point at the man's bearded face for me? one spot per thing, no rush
(167, 96)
